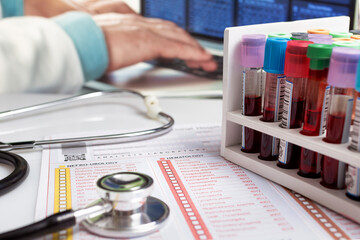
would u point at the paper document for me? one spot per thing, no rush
(158, 81)
(209, 197)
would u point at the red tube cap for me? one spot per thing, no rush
(296, 61)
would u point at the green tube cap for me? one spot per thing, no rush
(341, 34)
(279, 35)
(354, 44)
(319, 55)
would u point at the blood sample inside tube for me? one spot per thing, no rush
(253, 105)
(335, 127)
(297, 109)
(333, 173)
(268, 145)
(252, 140)
(252, 137)
(309, 163)
(312, 118)
(268, 115)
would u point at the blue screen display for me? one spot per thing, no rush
(306, 10)
(261, 11)
(174, 10)
(210, 17)
(343, 2)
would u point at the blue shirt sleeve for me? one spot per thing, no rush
(12, 8)
(89, 42)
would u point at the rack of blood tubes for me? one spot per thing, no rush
(306, 111)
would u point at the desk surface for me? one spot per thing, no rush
(18, 206)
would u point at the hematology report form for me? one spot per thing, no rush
(209, 197)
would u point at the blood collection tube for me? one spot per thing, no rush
(274, 93)
(318, 31)
(341, 78)
(316, 106)
(252, 60)
(296, 71)
(352, 179)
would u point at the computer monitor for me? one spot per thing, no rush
(209, 18)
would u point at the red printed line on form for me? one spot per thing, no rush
(319, 216)
(187, 207)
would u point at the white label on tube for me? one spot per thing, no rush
(275, 146)
(263, 84)
(355, 137)
(283, 151)
(347, 123)
(280, 92)
(243, 93)
(353, 181)
(285, 121)
(324, 111)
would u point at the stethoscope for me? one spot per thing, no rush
(21, 167)
(124, 210)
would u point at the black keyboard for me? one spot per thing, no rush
(180, 65)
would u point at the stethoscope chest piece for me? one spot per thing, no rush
(134, 212)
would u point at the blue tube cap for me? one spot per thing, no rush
(275, 55)
(357, 81)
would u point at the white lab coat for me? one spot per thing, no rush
(36, 55)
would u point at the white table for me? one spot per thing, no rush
(17, 208)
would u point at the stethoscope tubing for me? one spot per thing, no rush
(20, 172)
(91, 140)
(54, 223)
(69, 100)
(22, 167)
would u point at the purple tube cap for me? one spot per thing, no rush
(343, 67)
(252, 50)
(323, 36)
(322, 40)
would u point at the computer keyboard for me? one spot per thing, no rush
(180, 65)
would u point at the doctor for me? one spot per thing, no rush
(60, 53)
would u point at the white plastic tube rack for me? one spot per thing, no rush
(233, 120)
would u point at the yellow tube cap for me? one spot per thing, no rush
(355, 37)
(318, 31)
